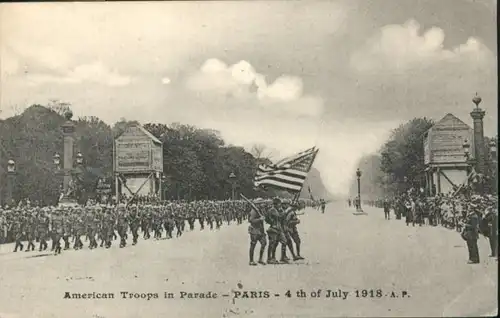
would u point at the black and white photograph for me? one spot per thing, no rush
(249, 159)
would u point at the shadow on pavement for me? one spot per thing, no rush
(40, 255)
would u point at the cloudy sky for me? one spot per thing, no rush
(336, 74)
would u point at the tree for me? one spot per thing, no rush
(260, 152)
(402, 156)
(59, 107)
(120, 126)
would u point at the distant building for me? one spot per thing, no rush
(444, 159)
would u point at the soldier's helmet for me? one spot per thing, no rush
(276, 201)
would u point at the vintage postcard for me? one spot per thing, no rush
(249, 159)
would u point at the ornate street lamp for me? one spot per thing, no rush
(11, 171)
(79, 158)
(494, 167)
(232, 177)
(466, 146)
(163, 188)
(11, 166)
(57, 161)
(469, 159)
(493, 148)
(358, 176)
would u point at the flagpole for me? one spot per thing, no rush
(297, 195)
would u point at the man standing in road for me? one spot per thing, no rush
(471, 235)
(387, 209)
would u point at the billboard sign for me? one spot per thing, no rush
(447, 145)
(132, 155)
(136, 151)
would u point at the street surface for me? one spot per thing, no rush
(343, 251)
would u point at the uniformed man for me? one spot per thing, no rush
(93, 226)
(274, 232)
(286, 241)
(257, 234)
(18, 230)
(78, 228)
(134, 223)
(491, 220)
(69, 219)
(122, 226)
(387, 209)
(57, 230)
(43, 224)
(293, 221)
(30, 230)
(470, 233)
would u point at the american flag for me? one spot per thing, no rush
(287, 174)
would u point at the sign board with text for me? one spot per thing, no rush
(137, 151)
(444, 143)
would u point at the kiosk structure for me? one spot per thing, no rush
(137, 163)
(446, 167)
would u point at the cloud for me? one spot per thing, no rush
(242, 82)
(166, 81)
(94, 72)
(400, 48)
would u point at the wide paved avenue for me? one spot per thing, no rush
(420, 271)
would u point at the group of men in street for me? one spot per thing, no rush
(470, 215)
(108, 222)
(282, 218)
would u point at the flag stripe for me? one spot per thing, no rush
(281, 185)
(263, 170)
(282, 178)
(288, 172)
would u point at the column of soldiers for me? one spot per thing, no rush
(100, 225)
(282, 220)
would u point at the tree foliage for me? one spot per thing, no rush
(197, 162)
(402, 156)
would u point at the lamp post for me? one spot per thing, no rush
(358, 175)
(163, 188)
(11, 172)
(232, 177)
(469, 160)
(494, 167)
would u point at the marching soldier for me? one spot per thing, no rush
(257, 234)
(79, 229)
(30, 230)
(134, 223)
(93, 227)
(67, 228)
(57, 230)
(286, 241)
(122, 226)
(42, 225)
(18, 230)
(274, 231)
(293, 221)
(107, 227)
